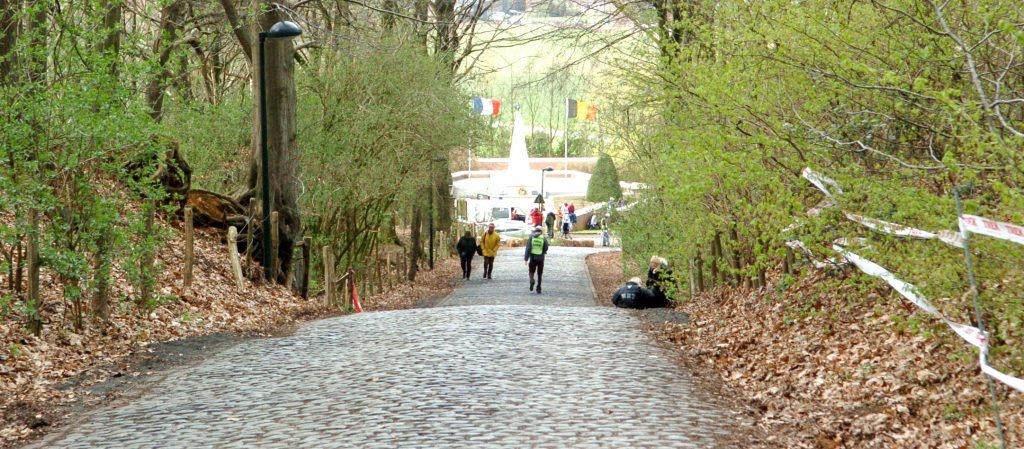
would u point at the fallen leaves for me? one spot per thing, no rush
(837, 373)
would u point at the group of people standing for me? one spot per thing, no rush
(564, 217)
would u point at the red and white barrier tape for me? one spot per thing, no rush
(949, 237)
(967, 223)
(992, 228)
(970, 334)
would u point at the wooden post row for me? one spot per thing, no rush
(307, 255)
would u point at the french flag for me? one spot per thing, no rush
(486, 106)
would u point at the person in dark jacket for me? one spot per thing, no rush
(467, 249)
(633, 296)
(536, 248)
(658, 276)
(550, 221)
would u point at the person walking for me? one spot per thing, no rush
(605, 232)
(536, 248)
(490, 241)
(566, 224)
(467, 249)
(550, 221)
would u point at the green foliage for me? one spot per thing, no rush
(864, 93)
(79, 152)
(215, 139)
(373, 116)
(604, 183)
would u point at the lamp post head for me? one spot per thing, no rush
(548, 168)
(284, 28)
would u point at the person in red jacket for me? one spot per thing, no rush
(536, 217)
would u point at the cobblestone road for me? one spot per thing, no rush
(484, 376)
(566, 282)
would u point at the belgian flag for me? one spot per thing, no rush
(581, 109)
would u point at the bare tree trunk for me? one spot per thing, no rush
(163, 46)
(101, 267)
(282, 146)
(111, 44)
(736, 261)
(242, 33)
(9, 30)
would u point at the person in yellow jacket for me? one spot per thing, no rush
(490, 241)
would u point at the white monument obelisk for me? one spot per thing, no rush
(515, 181)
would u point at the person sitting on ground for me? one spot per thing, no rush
(467, 249)
(633, 296)
(658, 277)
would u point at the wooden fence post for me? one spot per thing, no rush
(148, 254)
(736, 263)
(350, 285)
(250, 226)
(236, 265)
(345, 287)
(700, 273)
(307, 255)
(379, 275)
(101, 298)
(387, 272)
(274, 242)
(716, 259)
(328, 257)
(189, 248)
(693, 280)
(35, 319)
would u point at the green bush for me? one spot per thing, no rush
(604, 183)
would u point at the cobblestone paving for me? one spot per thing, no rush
(566, 282)
(486, 376)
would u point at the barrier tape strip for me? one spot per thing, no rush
(820, 180)
(992, 228)
(796, 244)
(970, 334)
(967, 223)
(949, 237)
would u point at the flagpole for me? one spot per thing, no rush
(565, 138)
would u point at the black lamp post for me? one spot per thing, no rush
(542, 173)
(433, 185)
(282, 29)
